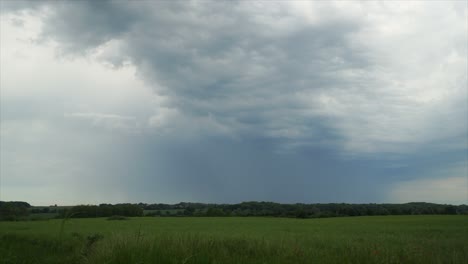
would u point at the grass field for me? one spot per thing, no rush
(377, 239)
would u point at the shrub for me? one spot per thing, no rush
(117, 217)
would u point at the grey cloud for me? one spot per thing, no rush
(227, 60)
(83, 25)
(335, 102)
(292, 74)
(9, 6)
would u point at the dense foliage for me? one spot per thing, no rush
(300, 210)
(21, 210)
(102, 210)
(13, 210)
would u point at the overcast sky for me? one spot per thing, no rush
(169, 101)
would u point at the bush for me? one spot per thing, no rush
(13, 211)
(117, 217)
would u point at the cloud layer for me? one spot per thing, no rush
(364, 87)
(273, 70)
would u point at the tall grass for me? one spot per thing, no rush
(125, 249)
(258, 240)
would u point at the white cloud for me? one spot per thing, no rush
(443, 185)
(170, 121)
(451, 190)
(109, 121)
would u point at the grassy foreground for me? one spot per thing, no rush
(377, 239)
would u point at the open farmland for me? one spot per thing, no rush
(376, 239)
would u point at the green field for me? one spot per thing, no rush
(374, 239)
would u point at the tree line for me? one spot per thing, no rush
(300, 210)
(21, 210)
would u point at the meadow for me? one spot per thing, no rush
(366, 239)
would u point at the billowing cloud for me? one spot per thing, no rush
(350, 84)
(289, 71)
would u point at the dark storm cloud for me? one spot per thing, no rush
(233, 62)
(224, 60)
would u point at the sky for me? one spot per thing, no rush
(226, 101)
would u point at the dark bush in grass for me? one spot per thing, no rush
(117, 217)
(103, 210)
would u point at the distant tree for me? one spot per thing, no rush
(12, 211)
(212, 211)
(189, 211)
(450, 209)
(301, 213)
(105, 210)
